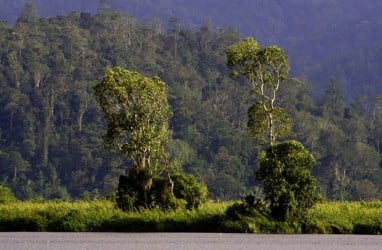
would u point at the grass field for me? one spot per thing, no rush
(346, 217)
(102, 216)
(96, 216)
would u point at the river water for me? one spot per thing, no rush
(185, 241)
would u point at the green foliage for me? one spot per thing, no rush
(6, 195)
(185, 192)
(289, 186)
(248, 218)
(239, 210)
(51, 124)
(265, 69)
(345, 218)
(137, 111)
(243, 58)
(258, 122)
(103, 216)
(98, 216)
(188, 188)
(127, 193)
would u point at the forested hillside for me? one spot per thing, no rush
(326, 40)
(51, 127)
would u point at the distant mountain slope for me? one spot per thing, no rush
(318, 35)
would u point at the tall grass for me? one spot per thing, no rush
(346, 217)
(56, 216)
(97, 216)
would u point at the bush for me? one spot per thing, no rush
(240, 210)
(25, 224)
(187, 192)
(236, 226)
(127, 196)
(6, 195)
(186, 187)
(289, 186)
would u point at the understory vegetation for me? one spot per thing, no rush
(102, 215)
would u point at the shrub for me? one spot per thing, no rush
(188, 188)
(127, 196)
(289, 186)
(6, 195)
(236, 226)
(239, 210)
(162, 196)
(187, 191)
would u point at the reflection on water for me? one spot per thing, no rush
(184, 241)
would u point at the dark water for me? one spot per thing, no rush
(184, 241)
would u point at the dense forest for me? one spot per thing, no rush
(326, 40)
(51, 126)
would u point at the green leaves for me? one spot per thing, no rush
(285, 170)
(265, 68)
(6, 195)
(258, 121)
(259, 65)
(243, 57)
(137, 111)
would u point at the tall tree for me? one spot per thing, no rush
(137, 112)
(28, 13)
(265, 68)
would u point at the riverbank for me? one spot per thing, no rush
(103, 216)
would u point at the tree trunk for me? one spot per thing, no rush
(48, 125)
(15, 171)
(144, 180)
(170, 183)
(11, 120)
(271, 134)
(80, 117)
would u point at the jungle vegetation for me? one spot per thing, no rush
(51, 124)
